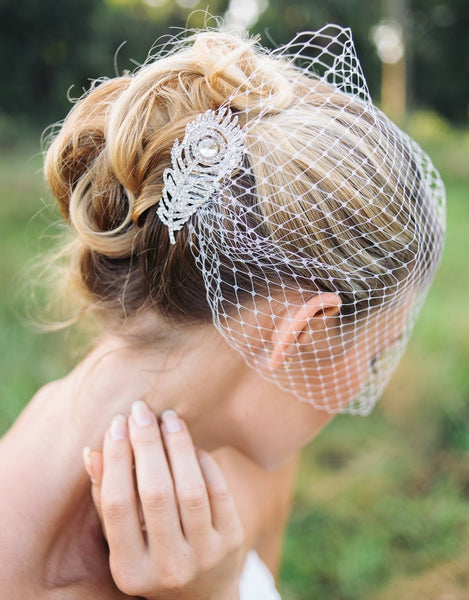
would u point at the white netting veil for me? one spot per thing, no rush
(316, 223)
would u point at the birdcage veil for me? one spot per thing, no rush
(316, 223)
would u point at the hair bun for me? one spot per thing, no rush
(233, 69)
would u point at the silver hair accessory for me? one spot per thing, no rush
(317, 227)
(211, 149)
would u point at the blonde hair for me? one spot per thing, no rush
(106, 164)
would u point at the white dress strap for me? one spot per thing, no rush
(257, 582)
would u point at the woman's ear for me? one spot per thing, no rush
(310, 317)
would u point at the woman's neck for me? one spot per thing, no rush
(192, 377)
(44, 446)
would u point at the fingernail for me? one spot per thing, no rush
(118, 428)
(87, 462)
(171, 421)
(141, 413)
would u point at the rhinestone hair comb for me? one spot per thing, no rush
(212, 148)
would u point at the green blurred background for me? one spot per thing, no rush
(381, 509)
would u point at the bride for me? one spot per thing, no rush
(255, 239)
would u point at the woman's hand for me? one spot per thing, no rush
(171, 525)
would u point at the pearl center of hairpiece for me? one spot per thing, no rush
(208, 147)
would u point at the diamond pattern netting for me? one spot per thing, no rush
(318, 247)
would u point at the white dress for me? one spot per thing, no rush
(257, 582)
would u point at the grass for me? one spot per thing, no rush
(382, 506)
(381, 509)
(29, 358)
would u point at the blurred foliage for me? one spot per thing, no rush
(283, 19)
(52, 49)
(437, 43)
(49, 47)
(438, 65)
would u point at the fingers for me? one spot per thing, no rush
(119, 505)
(193, 536)
(179, 493)
(154, 480)
(225, 517)
(189, 483)
(93, 461)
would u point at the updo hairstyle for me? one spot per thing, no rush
(106, 164)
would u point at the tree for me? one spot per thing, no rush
(440, 47)
(437, 41)
(50, 47)
(40, 51)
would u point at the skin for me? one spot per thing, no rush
(49, 491)
(202, 527)
(252, 428)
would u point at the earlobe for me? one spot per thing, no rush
(309, 317)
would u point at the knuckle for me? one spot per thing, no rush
(125, 578)
(115, 506)
(147, 436)
(221, 493)
(181, 442)
(208, 563)
(118, 451)
(156, 497)
(175, 577)
(236, 539)
(193, 498)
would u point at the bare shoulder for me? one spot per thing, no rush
(46, 393)
(21, 480)
(32, 411)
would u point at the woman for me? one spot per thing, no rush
(256, 239)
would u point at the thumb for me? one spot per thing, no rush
(93, 462)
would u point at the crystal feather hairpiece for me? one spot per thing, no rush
(211, 149)
(325, 197)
